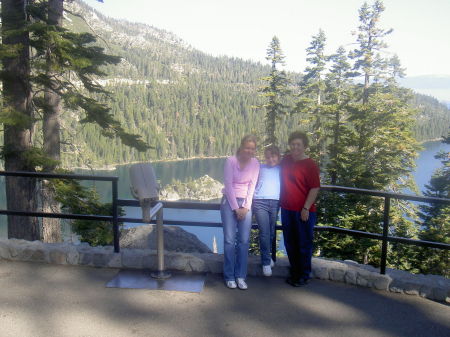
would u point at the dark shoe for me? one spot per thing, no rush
(303, 282)
(293, 282)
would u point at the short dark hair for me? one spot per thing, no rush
(273, 150)
(299, 135)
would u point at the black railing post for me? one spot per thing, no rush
(384, 243)
(115, 215)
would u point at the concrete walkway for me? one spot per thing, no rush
(47, 300)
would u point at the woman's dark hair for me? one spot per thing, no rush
(299, 135)
(273, 150)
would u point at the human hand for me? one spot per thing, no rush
(304, 214)
(241, 213)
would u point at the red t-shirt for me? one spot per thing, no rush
(297, 179)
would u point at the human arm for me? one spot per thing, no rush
(254, 173)
(313, 182)
(310, 199)
(228, 184)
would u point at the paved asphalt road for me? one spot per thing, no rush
(46, 300)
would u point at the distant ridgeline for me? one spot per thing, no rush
(182, 101)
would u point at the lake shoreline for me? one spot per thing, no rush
(430, 140)
(113, 167)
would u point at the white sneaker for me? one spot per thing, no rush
(267, 271)
(231, 284)
(272, 263)
(241, 284)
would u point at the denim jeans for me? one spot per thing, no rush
(266, 213)
(298, 240)
(235, 244)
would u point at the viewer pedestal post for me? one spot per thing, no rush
(160, 273)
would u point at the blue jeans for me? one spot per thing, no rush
(235, 244)
(266, 213)
(298, 240)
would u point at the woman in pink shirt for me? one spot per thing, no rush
(240, 177)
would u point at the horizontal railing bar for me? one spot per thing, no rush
(353, 232)
(423, 243)
(174, 222)
(174, 204)
(216, 206)
(339, 230)
(384, 194)
(57, 176)
(59, 215)
(182, 223)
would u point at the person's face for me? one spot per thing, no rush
(272, 159)
(248, 150)
(297, 147)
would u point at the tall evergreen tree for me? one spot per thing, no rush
(59, 59)
(379, 147)
(368, 58)
(275, 91)
(311, 97)
(51, 125)
(17, 118)
(339, 93)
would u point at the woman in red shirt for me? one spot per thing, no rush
(300, 184)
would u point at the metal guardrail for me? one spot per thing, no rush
(387, 204)
(115, 219)
(383, 237)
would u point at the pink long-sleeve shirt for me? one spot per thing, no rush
(240, 183)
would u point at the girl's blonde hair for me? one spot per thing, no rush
(247, 139)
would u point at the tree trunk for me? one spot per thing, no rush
(20, 191)
(334, 152)
(51, 227)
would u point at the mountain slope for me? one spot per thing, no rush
(182, 101)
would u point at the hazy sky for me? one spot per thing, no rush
(244, 28)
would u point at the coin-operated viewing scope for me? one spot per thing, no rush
(144, 187)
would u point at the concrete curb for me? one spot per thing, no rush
(429, 286)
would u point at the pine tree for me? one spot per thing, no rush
(275, 91)
(59, 58)
(368, 59)
(51, 124)
(17, 118)
(311, 97)
(379, 148)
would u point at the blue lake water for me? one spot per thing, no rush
(427, 164)
(184, 170)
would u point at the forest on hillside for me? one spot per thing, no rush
(186, 103)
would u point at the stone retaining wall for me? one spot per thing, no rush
(429, 286)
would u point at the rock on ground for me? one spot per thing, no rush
(175, 239)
